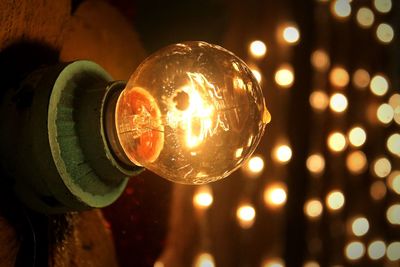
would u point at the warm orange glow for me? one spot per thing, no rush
(361, 79)
(291, 34)
(338, 102)
(246, 215)
(257, 49)
(319, 100)
(275, 195)
(393, 182)
(357, 136)
(313, 208)
(257, 74)
(255, 165)
(335, 200)
(274, 262)
(337, 142)
(393, 144)
(204, 260)
(320, 60)
(393, 214)
(378, 190)
(356, 162)
(282, 153)
(203, 197)
(339, 77)
(385, 113)
(284, 76)
(315, 164)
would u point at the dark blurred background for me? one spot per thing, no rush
(323, 186)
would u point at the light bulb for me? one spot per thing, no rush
(186, 111)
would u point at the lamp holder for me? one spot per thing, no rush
(58, 141)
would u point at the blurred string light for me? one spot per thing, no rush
(315, 164)
(394, 102)
(356, 162)
(376, 249)
(311, 264)
(354, 250)
(282, 153)
(341, 9)
(382, 167)
(360, 226)
(246, 215)
(313, 208)
(320, 60)
(384, 33)
(275, 195)
(393, 144)
(393, 251)
(257, 49)
(274, 262)
(383, 6)
(335, 200)
(393, 182)
(203, 197)
(291, 34)
(338, 102)
(385, 113)
(337, 142)
(393, 214)
(361, 79)
(339, 77)
(365, 17)
(284, 76)
(204, 260)
(357, 136)
(254, 166)
(378, 190)
(379, 85)
(319, 100)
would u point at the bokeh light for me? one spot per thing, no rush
(274, 262)
(376, 249)
(365, 17)
(319, 100)
(393, 144)
(275, 195)
(257, 49)
(393, 181)
(282, 153)
(385, 113)
(384, 33)
(361, 79)
(257, 74)
(203, 197)
(291, 34)
(337, 142)
(311, 264)
(338, 102)
(393, 214)
(204, 260)
(378, 190)
(313, 208)
(357, 136)
(255, 165)
(354, 250)
(315, 164)
(341, 9)
(320, 60)
(383, 6)
(356, 162)
(379, 85)
(335, 200)
(360, 226)
(246, 215)
(393, 251)
(382, 167)
(284, 76)
(339, 77)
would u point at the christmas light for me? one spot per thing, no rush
(341, 8)
(319, 100)
(284, 76)
(339, 77)
(361, 79)
(393, 144)
(354, 250)
(246, 215)
(378, 190)
(393, 214)
(320, 60)
(376, 249)
(275, 195)
(384, 33)
(337, 142)
(356, 162)
(360, 226)
(315, 164)
(313, 208)
(203, 197)
(282, 153)
(393, 251)
(335, 200)
(383, 6)
(291, 34)
(379, 85)
(365, 17)
(258, 49)
(357, 136)
(338, 102)
(382, 167)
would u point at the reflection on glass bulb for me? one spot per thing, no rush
(187, 111)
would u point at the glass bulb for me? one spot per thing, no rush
(187, 110)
